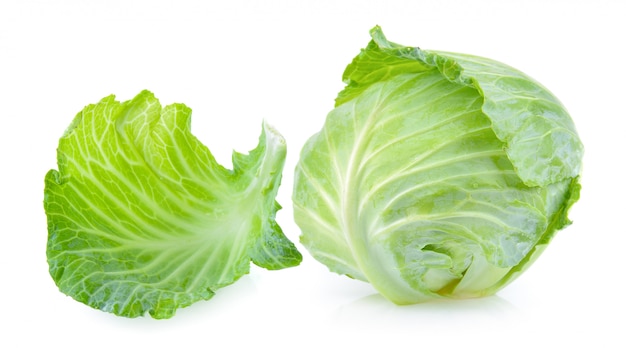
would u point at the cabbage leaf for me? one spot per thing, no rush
(142, 219)
(436, 174)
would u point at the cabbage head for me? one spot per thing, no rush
(436, 174)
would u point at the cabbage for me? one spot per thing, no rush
(142, 219)
(436, 175)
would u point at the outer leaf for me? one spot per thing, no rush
(525, 115)
(420, 180)
(141, 218)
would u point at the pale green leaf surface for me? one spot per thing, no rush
(142, 219)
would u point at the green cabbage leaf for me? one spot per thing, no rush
(142, 219)
(436, 174)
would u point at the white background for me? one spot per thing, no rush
(236, 63)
